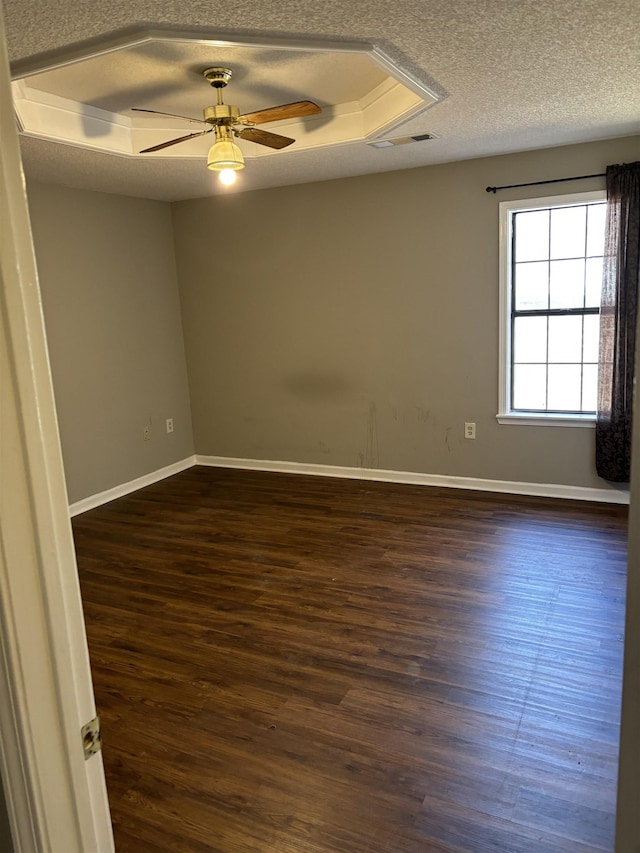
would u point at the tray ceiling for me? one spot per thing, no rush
(86, 99)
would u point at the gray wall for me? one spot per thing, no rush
(112, 313)
(355, 322)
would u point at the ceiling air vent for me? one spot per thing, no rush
(401, 140)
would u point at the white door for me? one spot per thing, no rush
(56, 800)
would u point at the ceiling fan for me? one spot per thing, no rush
(226, 122)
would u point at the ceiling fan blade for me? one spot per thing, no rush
(170, 115)
(175, 141)
(296, 110)
(263, 137)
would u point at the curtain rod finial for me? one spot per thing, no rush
(491, 190)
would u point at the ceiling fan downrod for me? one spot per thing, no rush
(221, 113)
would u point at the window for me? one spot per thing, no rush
(550, 280)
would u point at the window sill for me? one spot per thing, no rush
(529, 419)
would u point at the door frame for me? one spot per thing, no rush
(56, 800)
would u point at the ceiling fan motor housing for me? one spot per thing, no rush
(221, 114)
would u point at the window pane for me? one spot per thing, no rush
(532, 235)
(530, 339)
(529, 386)
(564, 387)
(556, 267)
(566, 284)
(568, 232)
(595, 228)
(593, 282)
(590, 387)
(591, 338)
(532, 285)
(565, 339)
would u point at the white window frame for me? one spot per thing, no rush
(505, 413)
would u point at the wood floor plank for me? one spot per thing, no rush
(305, 665)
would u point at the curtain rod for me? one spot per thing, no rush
(539, 183)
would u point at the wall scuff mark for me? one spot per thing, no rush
(447, 433)
(372, 456)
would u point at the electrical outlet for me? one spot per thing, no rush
(146, 433)
(169, 424)
(469, 430)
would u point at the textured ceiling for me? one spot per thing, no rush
(513, 76)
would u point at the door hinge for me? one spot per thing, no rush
(91, 737)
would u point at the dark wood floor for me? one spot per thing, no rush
(286, 664)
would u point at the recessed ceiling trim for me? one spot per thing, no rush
(39, 87)
(68, 122)
(23, 93)
(79, 53)
(403, 76)
(389, 105)
(49, 116)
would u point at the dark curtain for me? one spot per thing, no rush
(618, 319)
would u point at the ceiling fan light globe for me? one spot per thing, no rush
(225, 154)
(228, 177)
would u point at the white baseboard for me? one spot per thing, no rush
(126, 488)
(546, 490)
(543, 490)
